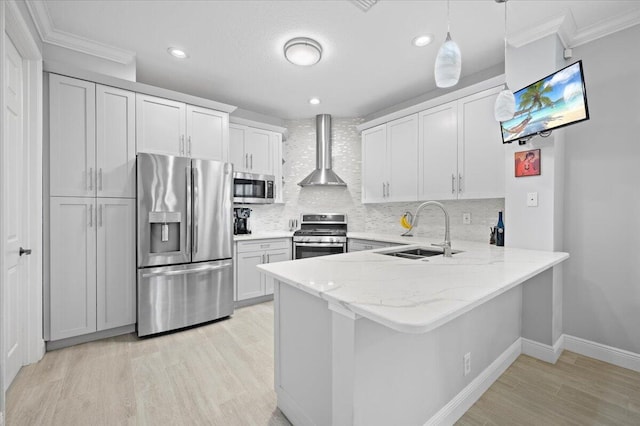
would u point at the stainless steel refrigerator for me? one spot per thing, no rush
(185, 242)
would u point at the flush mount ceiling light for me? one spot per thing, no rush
(505, 106)
(422, 40)
(177, 53)
(449, 61)
(303, 51)
(314, 101)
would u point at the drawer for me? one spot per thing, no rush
(261, 245)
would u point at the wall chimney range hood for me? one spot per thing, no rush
(323, 174)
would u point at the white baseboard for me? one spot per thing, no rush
(615, 356)
(292, 410)
(543, 352)
(456, 408)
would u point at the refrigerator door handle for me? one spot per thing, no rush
(196, 201)
(188, 271)
(188, 227)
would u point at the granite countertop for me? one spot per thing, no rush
(413, 296)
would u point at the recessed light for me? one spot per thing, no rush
(314, 101)
(303, 51)
(177, 53)
(422, 40)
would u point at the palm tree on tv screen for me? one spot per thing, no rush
(534, 97)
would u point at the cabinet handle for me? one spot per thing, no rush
(453, 183)
(388, 189)
(189, 147)
(90, 215)
(100, 215)
(246, 161)
(90, 178)
(460, 182)
(251, 157)
(383, 193)
(263, 260)
(100, 179)
(181, 146)
(268, 258)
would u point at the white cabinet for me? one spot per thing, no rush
(92, 274)
(92, 147)
(461, 155)
(250, 283)
(389, 162)
(251, 150)
(72, 136)
(355, 244)
(174, 128)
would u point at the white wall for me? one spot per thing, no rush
(299, 154)
(602, 198)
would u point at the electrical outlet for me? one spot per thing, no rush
(467, 363)
(466, 218)
(532, 199)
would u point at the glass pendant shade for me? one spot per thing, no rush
(448, 64)
(505, 106)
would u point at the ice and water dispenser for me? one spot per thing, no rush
(165, 231)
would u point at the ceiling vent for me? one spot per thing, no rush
(323, 175)
(364, 5)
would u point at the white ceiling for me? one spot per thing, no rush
(369, 63)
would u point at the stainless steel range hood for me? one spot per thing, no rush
(323, 175)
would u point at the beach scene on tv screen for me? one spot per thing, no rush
(552, 102)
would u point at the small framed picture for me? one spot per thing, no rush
(528, 163)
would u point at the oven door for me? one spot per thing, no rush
(305, 250)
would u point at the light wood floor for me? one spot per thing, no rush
(222, 374)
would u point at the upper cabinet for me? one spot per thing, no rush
(460, 152)
(389, 163)
(252, 150)
(174, 128)
(92, 146)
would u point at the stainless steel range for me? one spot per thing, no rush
(320, 234)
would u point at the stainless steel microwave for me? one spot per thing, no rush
(251, 188)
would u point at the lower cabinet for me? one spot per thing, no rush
(92, 265)
(355, 244)
(249, 283)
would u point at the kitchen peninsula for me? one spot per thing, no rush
(366, 338)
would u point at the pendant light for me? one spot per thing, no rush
(505, 106)
(448, 61)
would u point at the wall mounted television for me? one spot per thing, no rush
(558, 100)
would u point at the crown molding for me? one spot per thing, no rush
(49, 34)
(569, 34)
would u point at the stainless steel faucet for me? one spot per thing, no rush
(446, 245)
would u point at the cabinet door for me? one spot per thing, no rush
(258, 146)
(250, 281)
(207, 134)
(72, 285)
(160, 126)
(72, 133)
(115, 142)
(438, 153)
(237, 156)
(276, 147)
(402, 159)
(272, 257)
(481, 152)
(374, 161)
(116, 262)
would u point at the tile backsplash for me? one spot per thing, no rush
(300, 159)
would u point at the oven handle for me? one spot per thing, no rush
(319, 244)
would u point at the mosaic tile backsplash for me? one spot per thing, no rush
(300, 159)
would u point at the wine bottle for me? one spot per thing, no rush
(500, 229)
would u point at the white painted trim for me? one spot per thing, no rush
(49, 34)
(615, 356)
(543, 352)
(459, 405)
(491, 83)
(258, 125)
(605, 28)
(532, 34)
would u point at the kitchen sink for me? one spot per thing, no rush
(417, 253)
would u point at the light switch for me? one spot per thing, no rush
(532, 199)
(466, 218)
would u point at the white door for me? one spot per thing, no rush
(115, 142)
(237, 155)
(402, 158)
(116, 265)
(438, 153)
(207, 134)
(15, 190)
(72, 131)
(374, 164)
(249, 280)
(160, 126)
(258, 146)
